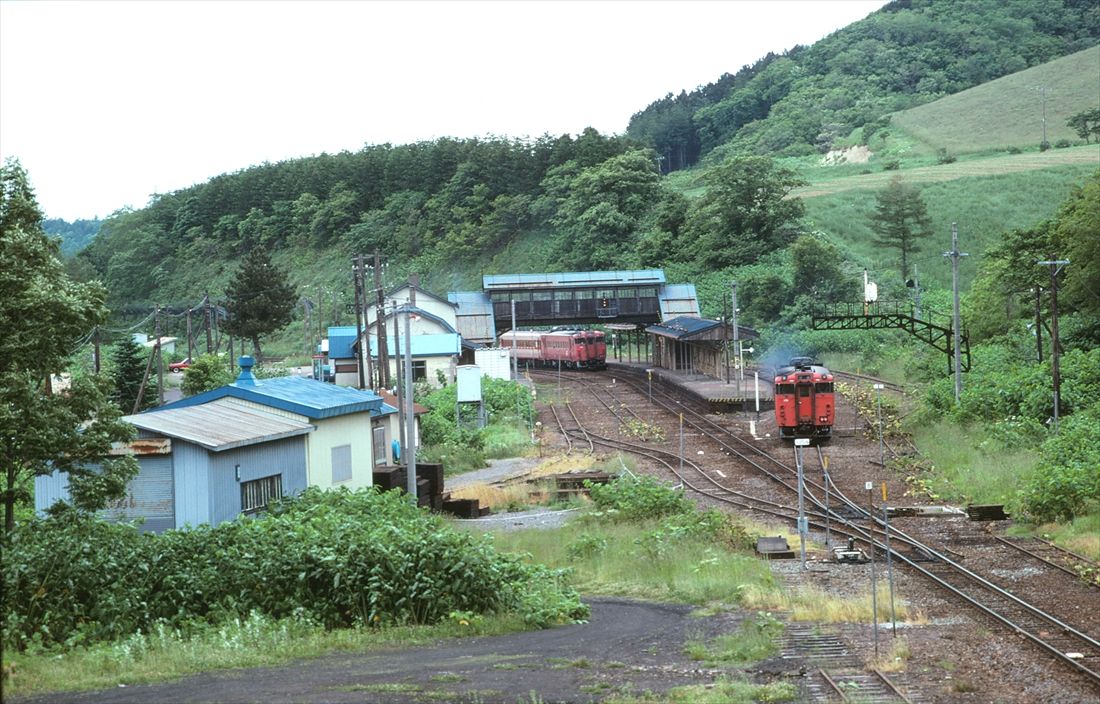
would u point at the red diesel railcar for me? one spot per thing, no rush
(573, 349)
(805, 400)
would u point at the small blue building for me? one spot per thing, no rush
(213, 456)
(213, 462)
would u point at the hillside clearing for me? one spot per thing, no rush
(1009, 111)
(991, 166)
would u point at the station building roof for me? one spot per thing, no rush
(688, 327)
(474, 317)
(573, 279)
(678, 300)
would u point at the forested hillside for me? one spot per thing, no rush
(75, 235)
(454, 209)
(908, 53)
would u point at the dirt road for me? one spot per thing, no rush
(626, 647)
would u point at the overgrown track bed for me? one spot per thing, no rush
(1071, 645)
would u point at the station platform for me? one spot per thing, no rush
(750, 395)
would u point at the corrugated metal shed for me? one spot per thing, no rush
(474, 316)
(677, 300)
(219, 425)
(573, 278)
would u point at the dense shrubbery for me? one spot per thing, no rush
(633, 498)
(339, 558)
(1066, 483)
(1013, 400)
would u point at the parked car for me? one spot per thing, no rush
(178, 367)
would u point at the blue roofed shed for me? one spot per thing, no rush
(202, 464)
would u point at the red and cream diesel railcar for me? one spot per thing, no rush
(805, 400)
(573, 349)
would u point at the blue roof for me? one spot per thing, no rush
(307, 397)
(439, 345)
(678, 300)
(573, 278)
(683, 326)
(340, 340)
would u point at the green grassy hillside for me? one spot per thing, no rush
(982, 203)
(1009, 111)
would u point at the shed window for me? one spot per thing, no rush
(341, 463)
(420, 370)
(542, 295)
(258, 493)
(378, 442)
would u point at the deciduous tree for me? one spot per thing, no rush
(745, 212)
(39, 431)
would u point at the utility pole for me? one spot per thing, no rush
(397, 382)
(736, 333)
(95, 343)
(1055, 267)
(357, 275)
(916, 293)
(307, 325)
(410, 415)
(160, 357)
(954, 254)
(206, 322)
(190, 341)
(515, 357)
(1038, 323)
(383, 353)
(726, 321)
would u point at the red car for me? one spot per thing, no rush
(178, 367)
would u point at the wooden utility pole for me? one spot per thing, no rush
(95, 344)
(1038, 324)
(160, 357)
(383, 352)
(206, 322)
(1055, 267)
(357, 276)
(190, 339)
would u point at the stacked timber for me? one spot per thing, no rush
(429, 482)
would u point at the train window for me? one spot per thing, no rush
(824, 388)
(784, 389)
(803, 391)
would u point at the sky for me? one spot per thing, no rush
(108, 103)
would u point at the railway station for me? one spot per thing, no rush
(650, 324)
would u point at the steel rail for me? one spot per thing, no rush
(903, 537)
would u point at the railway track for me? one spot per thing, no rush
(1078, 651)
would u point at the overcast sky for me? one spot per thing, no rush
(105, 103)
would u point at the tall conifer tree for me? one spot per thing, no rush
(260, 299)
(901, 220)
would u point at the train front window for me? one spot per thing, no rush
(804, 391)
(824, 388)
(784, 389)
